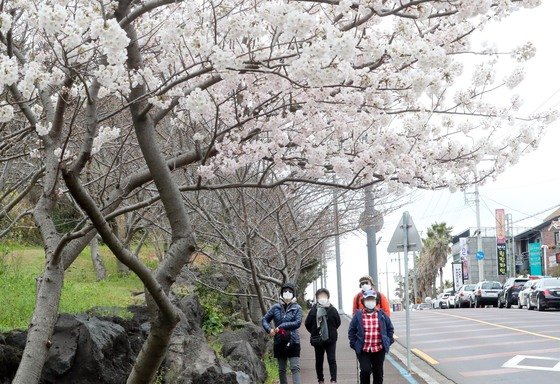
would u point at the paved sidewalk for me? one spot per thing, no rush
(346, 362)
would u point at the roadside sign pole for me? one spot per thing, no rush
(406, 291)
(406, 238)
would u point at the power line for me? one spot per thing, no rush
(528, 216)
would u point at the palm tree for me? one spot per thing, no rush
(433, 257)
(439, 246)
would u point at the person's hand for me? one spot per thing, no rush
(273, 331)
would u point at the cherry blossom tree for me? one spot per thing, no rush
(270, 236)
(370, 91)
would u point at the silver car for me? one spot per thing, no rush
(486, 293)
(463, 297)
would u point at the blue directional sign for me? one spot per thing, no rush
(480, 255)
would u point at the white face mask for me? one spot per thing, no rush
(370, 304)
(323, 301)
(366, 287)
(287, 295)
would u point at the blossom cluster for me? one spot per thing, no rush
(105, 135)
(355, 88)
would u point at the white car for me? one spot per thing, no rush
(523, 297)
(451, 301)
(440, 301)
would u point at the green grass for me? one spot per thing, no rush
(271, 369)
(19, 267)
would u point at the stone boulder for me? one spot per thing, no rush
(88, 350)
(252, 333)
(191, 314)
(244, 348)
(9, 362)
(189, 356)
(212, 375)
(242, 357)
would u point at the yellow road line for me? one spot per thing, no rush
(424, 356)
(502, 326)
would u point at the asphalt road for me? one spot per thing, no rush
(486, 345)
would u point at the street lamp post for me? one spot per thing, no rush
(371, 222)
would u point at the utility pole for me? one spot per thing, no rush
(387, 276)
(370, 229)
(405, 230)
(510, 246)
(479, 233)
(414, 280)
(337, 252)
(323, 272)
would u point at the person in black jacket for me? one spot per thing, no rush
(322, 323)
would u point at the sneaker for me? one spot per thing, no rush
(333, 381)
(321, 382)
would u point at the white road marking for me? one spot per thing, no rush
(514, 363)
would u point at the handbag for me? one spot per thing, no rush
(316, 340)
(284, 335)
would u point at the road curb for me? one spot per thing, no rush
(426, 371)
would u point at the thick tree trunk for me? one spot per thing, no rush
(100, 271)
(182, 239)
(41, 327)
(155, 348)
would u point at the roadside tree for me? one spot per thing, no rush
(370, 92)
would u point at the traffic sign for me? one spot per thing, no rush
(397, 241)
(480, 255)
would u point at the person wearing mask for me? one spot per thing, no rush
(366, 284)
(370, 334)
(287, 316)
(322, 322)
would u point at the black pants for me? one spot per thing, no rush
(330, 348)
(371, 363)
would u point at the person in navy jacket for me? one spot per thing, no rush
(370, 334)
(287, 316)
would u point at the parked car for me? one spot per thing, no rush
(451, 301)
(463, 295)
(424, 306)
(486, 293)
(510, 293)
(523, 298)
(545, 294)
(440, 301)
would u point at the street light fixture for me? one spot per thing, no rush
(544, 247)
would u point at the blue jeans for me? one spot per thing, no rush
(294, 367)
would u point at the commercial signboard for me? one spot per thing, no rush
(465, 257)
(457, 275)
(501, 250)
(535, 265)
(500, 226)
(502, 259)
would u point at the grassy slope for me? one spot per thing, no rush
(20, 266)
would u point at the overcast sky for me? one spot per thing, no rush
(528, 190)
